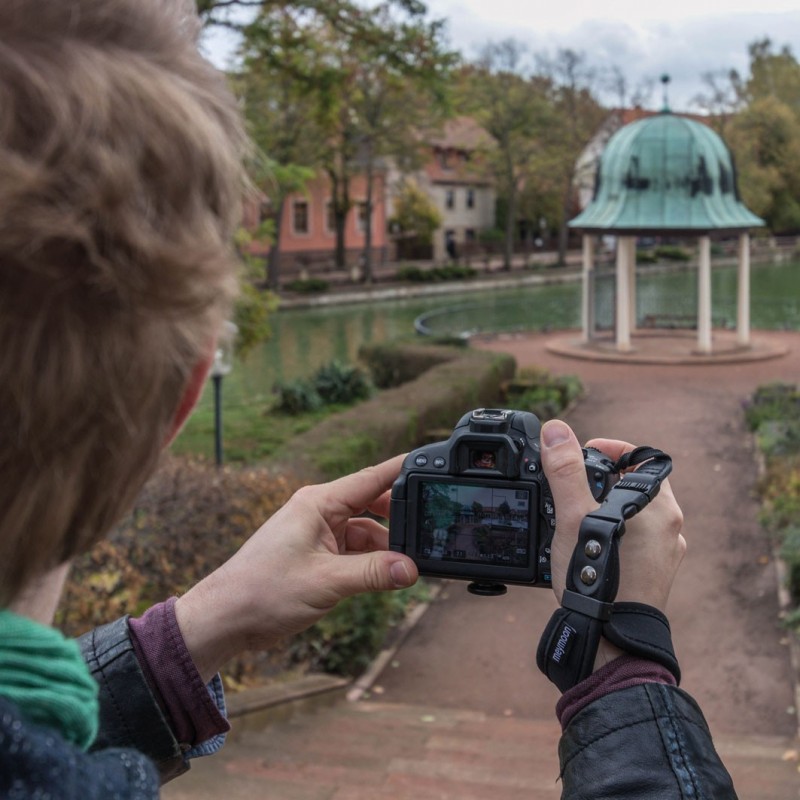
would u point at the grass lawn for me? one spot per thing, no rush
(250, 432)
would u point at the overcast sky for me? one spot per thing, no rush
(684, 39)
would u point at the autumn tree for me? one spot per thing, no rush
(401, 80)
(281, 124)
(575, 117)
(764, 135)
(499, 92)
(354, 71)
(416, 217)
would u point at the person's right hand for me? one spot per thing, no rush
(315, 551)
(652, 547)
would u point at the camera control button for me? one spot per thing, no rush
(533, 467)
(439, 462)
(421, 460)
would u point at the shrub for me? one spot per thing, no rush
(297, 397)
(333, 384)
(790, 553)
(646, 257)
(544, 401)
(308, 286)
(773, 402)
(451, 272)
(346, 640)
(537, 390)
(491, 236)
(400, 418)
(774, 414)
(670, 252)
(189, 518)
(390, 365)
(341, 383)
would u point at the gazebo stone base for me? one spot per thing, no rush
(666, 347)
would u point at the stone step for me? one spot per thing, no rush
(385, 751)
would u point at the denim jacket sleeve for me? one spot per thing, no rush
(648, 741)
(130, 715)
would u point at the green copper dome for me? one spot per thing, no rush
(665, 173)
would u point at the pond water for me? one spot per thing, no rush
(304, 339)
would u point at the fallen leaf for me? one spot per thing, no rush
(789, 755)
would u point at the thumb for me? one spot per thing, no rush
(371, 572)
(563, 464)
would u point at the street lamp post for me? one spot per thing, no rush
(223, 364)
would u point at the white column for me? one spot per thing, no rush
(704, 296)
(743, 302)
(632, 282)
(588, 300)
(623, 295)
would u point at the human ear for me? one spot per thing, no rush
(191, 392)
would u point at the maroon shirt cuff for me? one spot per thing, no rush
(173, 677)
(621, 673)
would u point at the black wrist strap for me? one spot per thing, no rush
(570, 640)
(644, 631)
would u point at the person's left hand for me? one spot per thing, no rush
(311, 554)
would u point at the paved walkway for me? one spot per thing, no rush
(462, 712)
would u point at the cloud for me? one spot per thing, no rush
(644, 50)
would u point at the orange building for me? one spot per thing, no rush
(307, 229)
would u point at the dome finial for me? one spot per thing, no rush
(665, 79)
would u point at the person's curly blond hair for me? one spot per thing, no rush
(120, 182)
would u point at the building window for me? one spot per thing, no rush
(470, 198)
(469, 235)
(450, 199)
(361, 220)
(300, 216)
(444, 160)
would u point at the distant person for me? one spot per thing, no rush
(450, 246)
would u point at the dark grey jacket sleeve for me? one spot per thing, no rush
(130, 715)
(649, 741)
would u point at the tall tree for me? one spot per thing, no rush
(280, 119)
(401, 91)
(335, 48)
(764, 135)
(499, 92)
(773, 74)
(765, 140)
(576, 117)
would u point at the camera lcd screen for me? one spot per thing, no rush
(473, 523)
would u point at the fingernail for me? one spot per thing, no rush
(399, 574)
(554, 432)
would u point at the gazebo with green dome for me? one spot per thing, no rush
(665, 175)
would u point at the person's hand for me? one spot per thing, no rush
(311, 554)
(652, 547)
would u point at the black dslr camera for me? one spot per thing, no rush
(478, 506)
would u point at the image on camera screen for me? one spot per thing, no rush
(476, 524)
